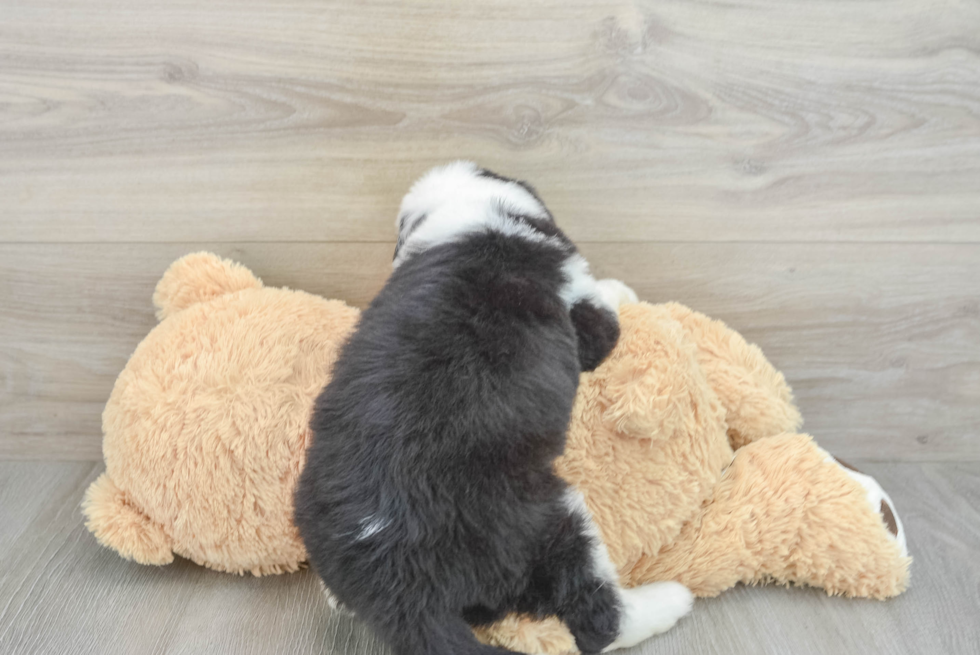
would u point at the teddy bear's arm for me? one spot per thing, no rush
(757, 400)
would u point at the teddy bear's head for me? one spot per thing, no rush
(206, 428)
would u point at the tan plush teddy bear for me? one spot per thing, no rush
(682, 443)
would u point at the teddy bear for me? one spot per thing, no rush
(683, 443)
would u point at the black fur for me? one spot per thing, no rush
(525, 185)
(404, 234)
(547, 227)
(598, 331)
(445, 412)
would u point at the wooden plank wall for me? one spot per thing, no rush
(808, 172)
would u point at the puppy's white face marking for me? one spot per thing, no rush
(453, 200)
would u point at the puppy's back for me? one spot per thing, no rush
(444, 413)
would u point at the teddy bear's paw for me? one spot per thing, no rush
(615, 293)
(333, 601)
(880, 503)
(649, 610)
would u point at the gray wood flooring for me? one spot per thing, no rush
(61, 593)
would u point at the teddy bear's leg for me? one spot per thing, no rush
(879, 500)
(120, 526)
(785, 511)
(757, 400)
(525, 634)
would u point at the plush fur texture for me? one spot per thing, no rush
(682, 443)
(207, 426)
(429, 501)
(757, 504)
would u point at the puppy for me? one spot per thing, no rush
(428, 502)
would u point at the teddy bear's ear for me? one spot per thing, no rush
(651, 386)
(199, 277)
(647, 399)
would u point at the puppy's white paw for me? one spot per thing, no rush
(615, 293)
(650, 610)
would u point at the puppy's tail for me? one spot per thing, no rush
(439, 636)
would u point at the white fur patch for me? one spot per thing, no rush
(370, 526)
(650, 610)
(646, 610)
(452, 201)
(332, 601)
(616, 293)
(456, 200)
(580, 285)
(602, 565)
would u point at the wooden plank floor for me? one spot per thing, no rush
(60, 592)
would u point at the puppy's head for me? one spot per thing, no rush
(461, 198)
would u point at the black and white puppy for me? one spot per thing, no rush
(428, 502)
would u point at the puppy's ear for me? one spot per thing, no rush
(597, 330)
(402, 220)
(406, 226)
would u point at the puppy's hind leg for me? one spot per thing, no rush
(649, 610)
(568, 581)
(640, 612)
(562, 584)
